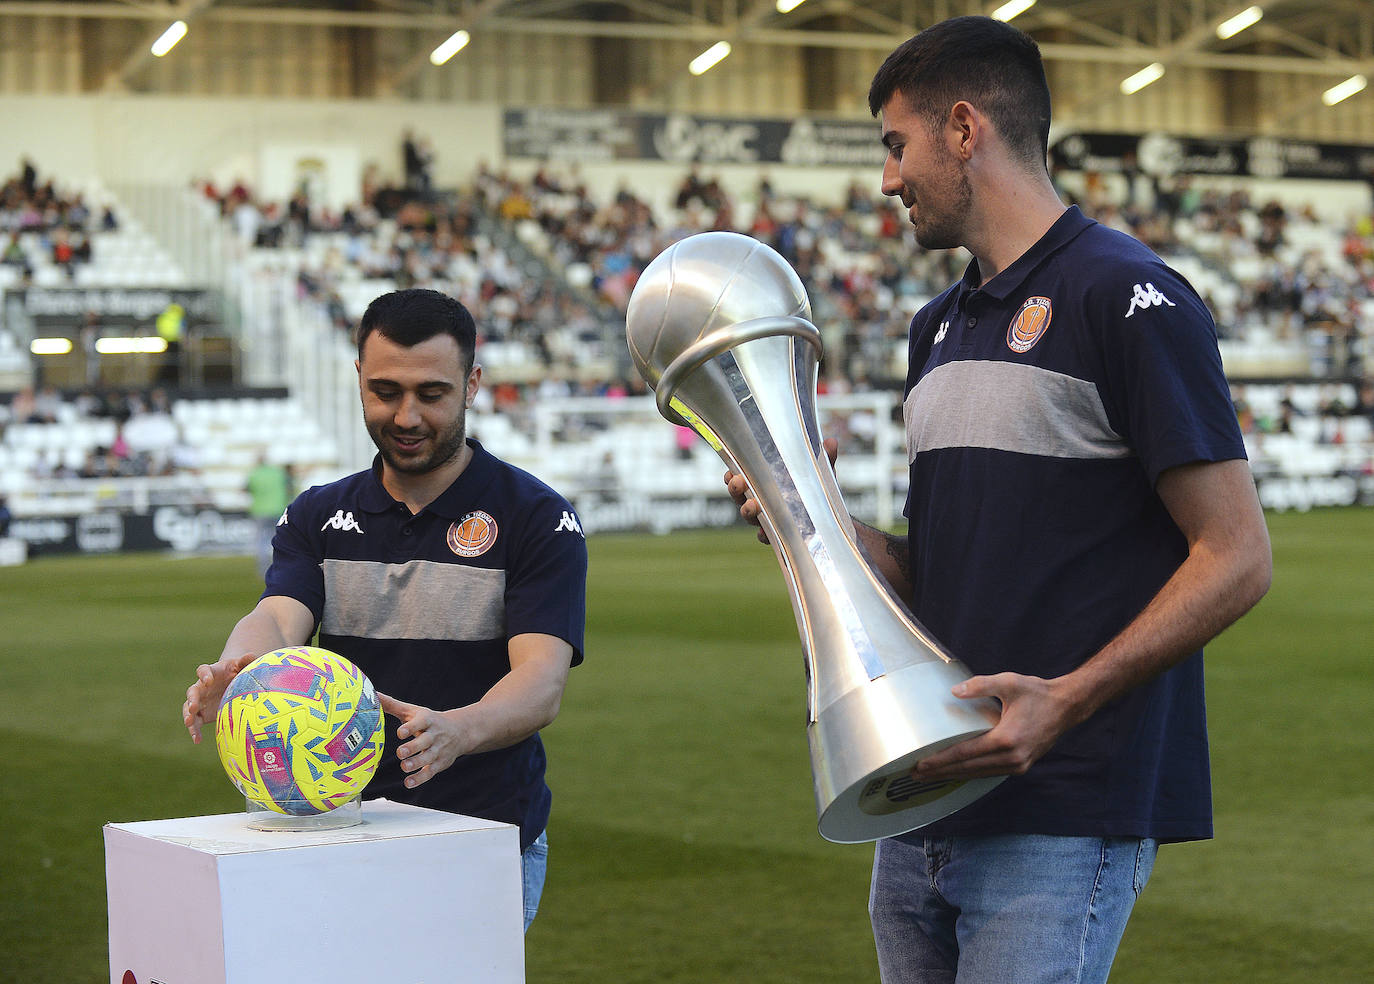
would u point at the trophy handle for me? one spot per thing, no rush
(720, 341)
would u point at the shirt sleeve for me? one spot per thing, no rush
(1163, 384)
(546, 586)
(296, 558)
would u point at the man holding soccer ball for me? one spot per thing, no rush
(455, 581)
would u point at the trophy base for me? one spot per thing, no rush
(862, 769)
(260, 818)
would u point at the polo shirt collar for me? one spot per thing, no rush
(1064, 230)
(453, 501)
(456, 500)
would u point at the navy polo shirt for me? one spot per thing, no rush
(1040, 410)
(424, 604)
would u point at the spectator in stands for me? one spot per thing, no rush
(171, 328)
(99, 463)
(482, 571)
(607, 482)
(1364, 399)
(63, 252)
(417, 158)
(1102, 733)
(14, 254)
(47, 406)
(247, 221)
(849, 253)
(28, 176)
(693, 189)
(22, 408)
(119, 447)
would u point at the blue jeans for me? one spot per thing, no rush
(534, 865)
(1015, 909)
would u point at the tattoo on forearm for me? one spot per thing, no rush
(894, 546)
(897, 550)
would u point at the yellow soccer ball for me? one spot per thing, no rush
(299, 731)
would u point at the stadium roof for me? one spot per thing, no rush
(1333, 33)
(1331, 38)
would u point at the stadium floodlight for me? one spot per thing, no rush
(117, 345)
(1012, 8)
(1339, 93)
(787, 6)
(1232, 26)
(169, 38)
(456, 42)
(50, 346)
(709, 58)
(1150, 73)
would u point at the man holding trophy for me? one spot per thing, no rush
(1082, 520)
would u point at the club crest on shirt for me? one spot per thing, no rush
(472, 535)
(1029, 325)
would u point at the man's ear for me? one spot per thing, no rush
(965, 129)
(474, 384)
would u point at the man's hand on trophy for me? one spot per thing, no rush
(1035, 713)
(748, 505)
(739, 490)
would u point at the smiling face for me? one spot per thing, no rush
(922, 169)
(415, 401)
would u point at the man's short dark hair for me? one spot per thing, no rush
(988, 63)
(409, 317)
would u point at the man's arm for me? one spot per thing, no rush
(1228, 569)
(523, 701)
(276, 622)
(887, 554)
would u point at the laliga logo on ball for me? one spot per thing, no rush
(299, 731)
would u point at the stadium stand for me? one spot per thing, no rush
(550, 270)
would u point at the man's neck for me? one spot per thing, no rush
(1013, 217)
(418, 491)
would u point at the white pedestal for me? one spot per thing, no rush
(13, 552)
(409, 896)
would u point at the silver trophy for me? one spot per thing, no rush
(719, 325)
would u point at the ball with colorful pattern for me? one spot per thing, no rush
(299, 731)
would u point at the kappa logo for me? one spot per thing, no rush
(569, 522)
(1030, 324)
(342, 521)
(1147, 297)
(940, 335)
(472, 535)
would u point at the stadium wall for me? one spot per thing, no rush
(170, 141)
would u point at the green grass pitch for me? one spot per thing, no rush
(683, 842)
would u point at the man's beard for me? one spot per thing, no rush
(946, 230)
(445, 447)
